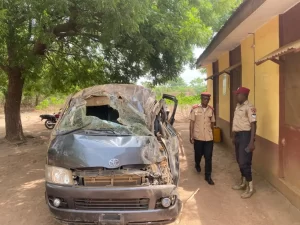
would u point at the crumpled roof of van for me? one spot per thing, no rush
(136, 105)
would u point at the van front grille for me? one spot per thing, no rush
(117, 180)
(112, 204)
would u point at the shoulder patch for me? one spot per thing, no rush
(253, 110)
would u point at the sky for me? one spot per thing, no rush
(188, 75)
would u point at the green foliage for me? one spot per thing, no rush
(58, 46)
(178, 87)
(69, 43)
(176, 83)
(148, 84)
(185, 100)
(198, 85)
(188, 100)
(3, 83)
(214, 13)
(51, 101)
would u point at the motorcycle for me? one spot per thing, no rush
(50, 119)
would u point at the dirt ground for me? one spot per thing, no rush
(22, 186)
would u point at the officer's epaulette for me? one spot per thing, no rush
(211, 107)
(195, 106)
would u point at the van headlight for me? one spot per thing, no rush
(58, 175)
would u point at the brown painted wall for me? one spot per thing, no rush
(289, 22)
(235, 57)
(216, 88)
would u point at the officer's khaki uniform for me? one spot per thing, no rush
(244, 115)
(203, 135)
(202, 117)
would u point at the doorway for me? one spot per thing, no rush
(290, 118)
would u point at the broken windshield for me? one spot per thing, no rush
(124, 109)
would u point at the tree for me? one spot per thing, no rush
(214, 13)
(60, 32)
(80, 43)
(198, 84)
(178, 82)
(147, 84)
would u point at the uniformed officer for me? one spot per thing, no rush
(202, 121)
(244, 129)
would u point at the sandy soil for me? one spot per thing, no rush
(22, 186)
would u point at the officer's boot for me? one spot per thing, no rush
(249, 190)
(198, 168)
(241, 186)
(209, 180)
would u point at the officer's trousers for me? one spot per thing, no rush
(244, 159)
(204, 148)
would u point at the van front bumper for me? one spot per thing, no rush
(71, 213)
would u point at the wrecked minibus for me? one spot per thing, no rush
(113, 158)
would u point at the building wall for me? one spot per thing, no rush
(224, 99)
(248, 66)
(263, 81)
(266, 99)
(267, 82)
(209, 72)
(223, 120)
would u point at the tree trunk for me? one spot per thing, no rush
(37, 100)
(13, 124)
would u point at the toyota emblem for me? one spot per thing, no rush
(114, 163)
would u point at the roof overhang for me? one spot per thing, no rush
(250, 16)
(227, 71)
(289, 48)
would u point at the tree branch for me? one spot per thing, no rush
(51, 62)
(65, 53)
(61, 30)
(29, 28)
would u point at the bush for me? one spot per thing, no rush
(51, 101)
(188, 100)
(185, 100)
